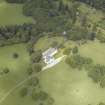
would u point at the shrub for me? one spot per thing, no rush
(37, 67)
(67, 51)
(75, 50)
(6, 70)
(24, 92)
(15, 55)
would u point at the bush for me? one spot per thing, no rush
(33, 82)
(39, 96)
(75, 50)
(24, 92)
(29, 71)
(36, 56)
(15, 55)
(76, 61)
(101, 103)
(67, 51)
(96, 73)
(37, 67)
(6, 70)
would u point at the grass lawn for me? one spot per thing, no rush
(71, 87)
(93, 14)
(17, 66)
(94, 50)
(46, 42)
(11, 14)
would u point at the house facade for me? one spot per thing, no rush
(48, 55)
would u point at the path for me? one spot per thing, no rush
(22, 82)
(18, 85)
(54, 63)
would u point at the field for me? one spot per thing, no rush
(70, 86)
(18, 68)
(66, 85)
(94, 50)
(11, 14)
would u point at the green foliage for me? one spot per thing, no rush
(6, 70)
(76, 61)
(37, 67)
(39, 96)
(67, 51)
(29, 71)
(75, 50)
(17, 33)
(98, 4)
(101, 37)
(36, 56)
(15, 1)
(24, 92)
(97, 72)
(101, 103)
(15, 55)
(33, 81)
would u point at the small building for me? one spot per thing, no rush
(48, 55)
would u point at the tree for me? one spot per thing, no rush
(75, 50)
(54, 44)
(96, 73)
(15, 55)
(37, 67)
(24, 92)
(29, 71)
(102, 82)
(67, 51)
(101, 103)
(42, 96)
(6, 70)
(36, 56)
(33, 82)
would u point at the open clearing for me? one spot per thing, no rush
(11, 14)
(69, 86)
(64, 84)
(94, 50)
(17, 66)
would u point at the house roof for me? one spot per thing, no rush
(49, 51)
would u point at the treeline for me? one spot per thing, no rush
(53, 15)
(98, 4)
(95, 71)
(16, 1)
(18, 33)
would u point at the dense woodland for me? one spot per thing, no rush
(98, 4)
(51, 16)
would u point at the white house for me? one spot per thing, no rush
(48, 55)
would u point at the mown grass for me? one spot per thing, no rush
(46, 42)
(70, 86)
(94, 50)
(18, 67)
(11, 14)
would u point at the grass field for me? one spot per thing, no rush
(94, 50)
(18, 67)
(71, 87)
(11, 14)
(66, 85)
(46, 42)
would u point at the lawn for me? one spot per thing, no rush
(46, 42)
(71, 87)
(94, 50)
(18, 67)
(92, 14)
(11, 14)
